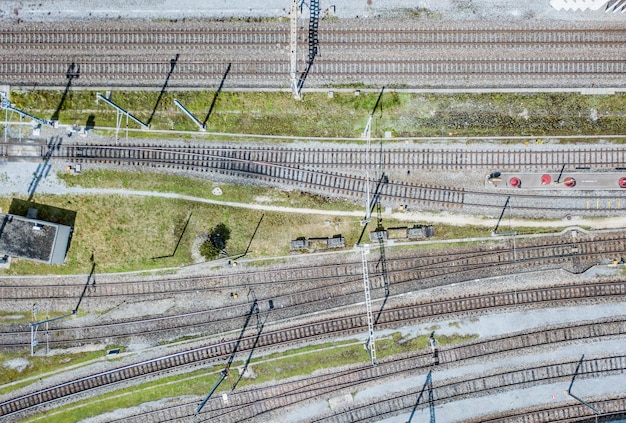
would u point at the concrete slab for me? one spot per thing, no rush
(24, 150)
(339, 401)
(587, 181)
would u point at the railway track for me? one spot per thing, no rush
(254, 402)
(309, 178)
(612, 410)
(220, 34)
(261, 401)
(447, 391)
(140, 55)
(398, 158)
(322, 288)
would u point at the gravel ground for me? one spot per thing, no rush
(511, 10)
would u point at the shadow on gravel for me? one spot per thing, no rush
(217, 93)
(167, 79)
(43, 168)
(73, 72)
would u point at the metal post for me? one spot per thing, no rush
(190, 115)
(33, 331)
(32, 340)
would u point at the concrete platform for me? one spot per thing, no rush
(24, 151)
(588, 181)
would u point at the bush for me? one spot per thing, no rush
(216, 242)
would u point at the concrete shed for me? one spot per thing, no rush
(34, 239)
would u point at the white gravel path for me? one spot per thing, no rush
(220, 9)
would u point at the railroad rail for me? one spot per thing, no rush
(279, 34)
(612, 409)
(325, 182)
(261, 401)
(139, 55)
(254, 402)
(446, 391)
(402, 267)
(322, 288)
(603, 158)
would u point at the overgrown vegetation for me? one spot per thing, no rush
(216, 242)
(404, 114)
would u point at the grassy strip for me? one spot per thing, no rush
(41, 365)
(130, 233)
(299, 362)
(160, 182)
(126, 233)
(404, 114)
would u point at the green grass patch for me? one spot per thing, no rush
(298, 362)
(404, 114)
(399, 344)
(139, 233)
(127, 233)
(159, 182)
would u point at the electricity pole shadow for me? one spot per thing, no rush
(179, 239)
(43, 168)
(73, 72)
(260, 326)
(172, 66)
(226, 370)
(251, 239)
(89, 279)
(217, 93)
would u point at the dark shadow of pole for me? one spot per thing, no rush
(179, 239)
(169, 74)
(314, 12)
(251, 239)
(427, 384)
(93, 268)
(314, 20)
(254, 308)
(73, 72)
(256, 341)
(43, 168)
(217, 93)
(304, 75)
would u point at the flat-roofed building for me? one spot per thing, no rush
(33, 239)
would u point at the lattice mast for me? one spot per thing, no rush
(294, 49)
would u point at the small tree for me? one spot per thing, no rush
(216, 243)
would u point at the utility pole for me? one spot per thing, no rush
(367, 136)
(293, 53)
